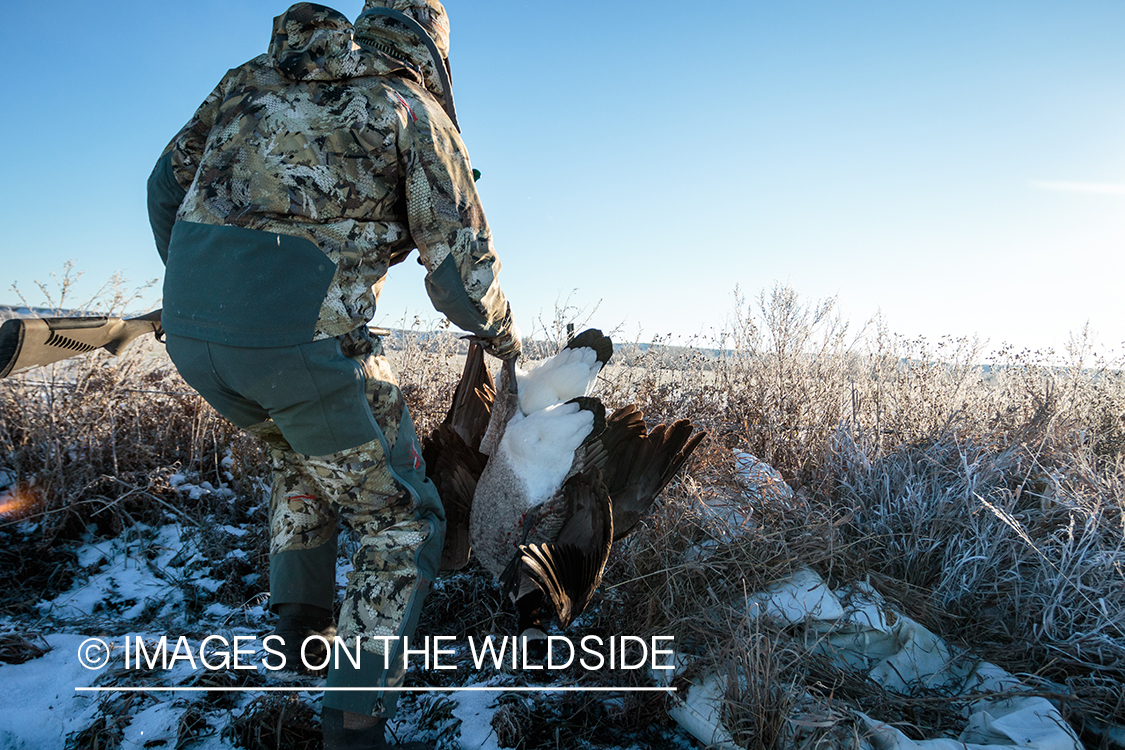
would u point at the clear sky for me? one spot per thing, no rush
(959, 165)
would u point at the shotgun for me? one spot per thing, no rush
(34, 342)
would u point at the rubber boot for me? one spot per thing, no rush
(337, 736)
(295, 623)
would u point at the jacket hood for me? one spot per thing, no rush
(415, 31)
(315, 43)
(429, 13)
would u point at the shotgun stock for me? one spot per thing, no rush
(34, 342)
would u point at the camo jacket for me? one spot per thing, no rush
(301, 179)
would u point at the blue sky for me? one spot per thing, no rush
(958, 165)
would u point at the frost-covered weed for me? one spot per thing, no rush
(984, 495)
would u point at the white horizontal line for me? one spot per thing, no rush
(473, 688)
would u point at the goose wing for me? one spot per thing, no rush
(568, 571)
(473, 399)
(452, 454)
(454, 468)
(637, 464)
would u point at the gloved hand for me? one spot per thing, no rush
(507, 345)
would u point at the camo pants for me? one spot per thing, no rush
(376, 487)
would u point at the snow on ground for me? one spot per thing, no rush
(39, 703)
(127, 577)
(152, 582)
(41, 706)
(174, 581)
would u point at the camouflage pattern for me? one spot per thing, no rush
(345, 147)
(356, 486)
(384, 576)
(314, 43)
(299, 519)
(311, 493)
(355, 478)
(381, 386)
(399, 42)
(349, 149)
(430, 13)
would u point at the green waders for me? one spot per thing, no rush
(342, 446)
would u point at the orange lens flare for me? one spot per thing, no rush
(16, 504)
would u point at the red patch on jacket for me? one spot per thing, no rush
(408, 109)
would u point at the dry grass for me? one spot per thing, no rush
(107, 730)
(987, 504)
(191, 727)
(16, 648)
(102, 734)
(95, 440)
(279, 722)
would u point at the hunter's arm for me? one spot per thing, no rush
(176, 167)
(447, 223)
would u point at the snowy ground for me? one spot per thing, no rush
(73, 657)
(174, 581)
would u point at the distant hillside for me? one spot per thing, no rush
(13, 311)
(23, 311)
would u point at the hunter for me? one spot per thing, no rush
(277, 209)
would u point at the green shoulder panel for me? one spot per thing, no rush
(164, 197)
